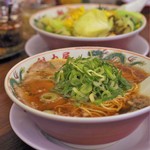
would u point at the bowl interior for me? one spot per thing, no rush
(16, 74)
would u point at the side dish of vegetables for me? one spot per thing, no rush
(95, 22)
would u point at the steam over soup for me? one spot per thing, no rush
(83, 87)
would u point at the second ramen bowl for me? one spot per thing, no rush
(76, 131)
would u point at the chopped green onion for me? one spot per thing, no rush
(90, 79)
(48, 97)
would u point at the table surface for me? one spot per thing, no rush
(8, 139)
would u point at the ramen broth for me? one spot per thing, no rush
(39, 80)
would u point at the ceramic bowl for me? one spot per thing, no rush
(61, 41)
(76, 130)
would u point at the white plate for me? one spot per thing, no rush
(36, 45)
(27, 131)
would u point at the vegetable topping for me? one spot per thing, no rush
(90, 79)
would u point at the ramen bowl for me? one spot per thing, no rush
(80, 131)
(54, 40)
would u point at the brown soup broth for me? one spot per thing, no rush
(39, 80)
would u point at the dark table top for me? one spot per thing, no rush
(8, 139)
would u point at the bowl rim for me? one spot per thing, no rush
(68, 118)
(74, 38)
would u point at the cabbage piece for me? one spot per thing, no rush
(94, 23)
(137, 17)
(123, 25)
(54, 25)
(127, 21)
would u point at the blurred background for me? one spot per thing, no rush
(14, 20)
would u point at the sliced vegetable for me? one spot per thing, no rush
(48, 97)
(93, 22)
(90, 79)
